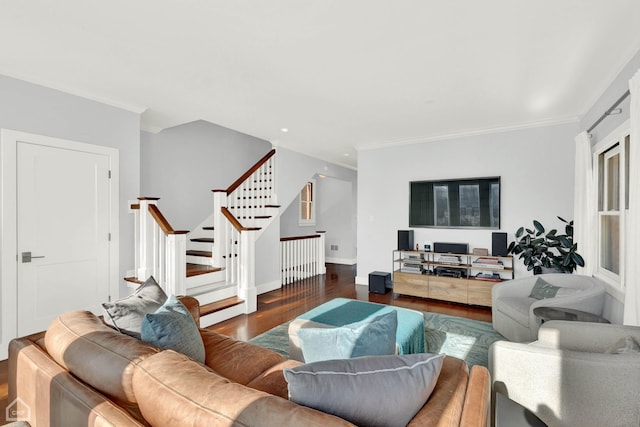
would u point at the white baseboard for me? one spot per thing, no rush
(344, 261)
(268, 287)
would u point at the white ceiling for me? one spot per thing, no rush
(339, 74)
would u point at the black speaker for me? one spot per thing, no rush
(405, 240)
(451, 248)
(380, 282)
(499, 244)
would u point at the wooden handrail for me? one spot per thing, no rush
(162, 221)
(234, 221)
(310, 236)
(250, 172)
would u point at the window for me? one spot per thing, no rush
(612, 171)
(441, 204)
(307, 205)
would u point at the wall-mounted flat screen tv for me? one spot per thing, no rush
(455, 203)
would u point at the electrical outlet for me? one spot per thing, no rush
(334, 247)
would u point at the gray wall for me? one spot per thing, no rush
(181, 165)
(618, 87)
(536, 167)
(335, 214)
(336, 199)
(35, 109)
(614, 309)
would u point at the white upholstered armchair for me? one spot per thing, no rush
(567, 378)
(512, 308)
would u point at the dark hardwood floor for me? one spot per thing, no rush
(294, 299)
(288, 302)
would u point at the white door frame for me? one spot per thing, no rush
(8, 222)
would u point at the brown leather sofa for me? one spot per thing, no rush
(83, 373)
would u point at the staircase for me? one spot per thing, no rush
(215, 262)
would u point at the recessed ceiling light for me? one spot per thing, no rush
(285, 130)
(346, 154)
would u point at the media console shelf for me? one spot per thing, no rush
(463, 278)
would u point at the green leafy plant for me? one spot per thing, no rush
(539, 248)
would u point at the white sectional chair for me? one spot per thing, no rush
(568, 377)
(512, 308)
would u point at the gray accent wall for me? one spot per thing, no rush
(181, 166)
(613, 92)
(39, 110)
(336, 202)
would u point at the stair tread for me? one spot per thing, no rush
(193, 252)
(219, 305)
(203, 239)
(133, 280)
(197, 269)
(208, 228)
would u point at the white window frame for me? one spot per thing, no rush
(615, 282)
(302, 221)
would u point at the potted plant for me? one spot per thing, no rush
(542, 251)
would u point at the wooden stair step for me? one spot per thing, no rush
(219, 305)
(207, 254)
(203, 239)
(133, 280)
(197, 269)
(263, 216)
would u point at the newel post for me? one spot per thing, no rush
(176, 266)
(321, 268)
(219, 229)
(247, 281)
(146, 238)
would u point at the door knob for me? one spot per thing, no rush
(27, 257)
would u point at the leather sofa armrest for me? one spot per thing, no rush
(477, 400)
(193, 305)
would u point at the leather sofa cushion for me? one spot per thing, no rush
(516, 308)
(97, 354)
(236, 360)
(174, 391)
(445, 405)
(54, 396)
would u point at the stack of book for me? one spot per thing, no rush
(408, 267)
(449, 259)
(492, 263)
(412, 264)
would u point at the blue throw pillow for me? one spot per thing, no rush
(369, 391)
(370, 337)
(172, 327)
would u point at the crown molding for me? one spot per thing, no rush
(464, 134)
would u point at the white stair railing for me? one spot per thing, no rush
(250, 195)
(302, 257)
(236, 212)
(160, 250)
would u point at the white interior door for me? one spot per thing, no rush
(62, 233)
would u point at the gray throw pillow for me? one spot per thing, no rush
(172, 327)
(126, 314)
(624, 345)
(543, 289)
(369, 337)
(367, 391)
